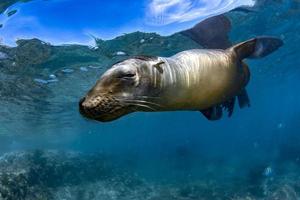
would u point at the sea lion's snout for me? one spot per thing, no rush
(101, 108)
(107, 100)
(88, 109)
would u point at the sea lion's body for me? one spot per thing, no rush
(200, 80)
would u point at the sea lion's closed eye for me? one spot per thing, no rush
(126, 75)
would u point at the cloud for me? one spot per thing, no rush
(163, 12)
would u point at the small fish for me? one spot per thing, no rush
(94, 67)
(44, 82)
(120, 53)
(67, 70)
(40, 81)
(84, 69)
(52, 80)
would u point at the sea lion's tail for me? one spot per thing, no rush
(257, 47)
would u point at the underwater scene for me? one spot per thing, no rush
(172, 119)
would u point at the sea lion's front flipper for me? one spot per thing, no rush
(243, 99)
(212, 33)
(256, 48)
(213, 113)
(216, 112)
(229, 106)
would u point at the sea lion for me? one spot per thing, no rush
(197, 80)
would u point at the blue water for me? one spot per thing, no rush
(255, 154)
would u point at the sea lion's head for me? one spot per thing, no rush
(124, 88)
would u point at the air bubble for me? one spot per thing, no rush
(52, 76)
(280, 125)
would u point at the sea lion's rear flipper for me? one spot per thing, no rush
(257, 47)
(243, 99)
(212, 33)
(213, 113)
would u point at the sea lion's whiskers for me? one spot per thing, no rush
(147, 97)
(142, 102)
(144, 106)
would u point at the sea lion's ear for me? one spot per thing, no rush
(155, 61)
(158, 66)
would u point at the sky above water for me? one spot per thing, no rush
(76, 21)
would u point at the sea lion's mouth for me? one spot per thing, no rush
(103, 109)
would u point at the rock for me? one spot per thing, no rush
(62, 175)
(34, 175)
(3, 55)
(28, 175)
(32, 52)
